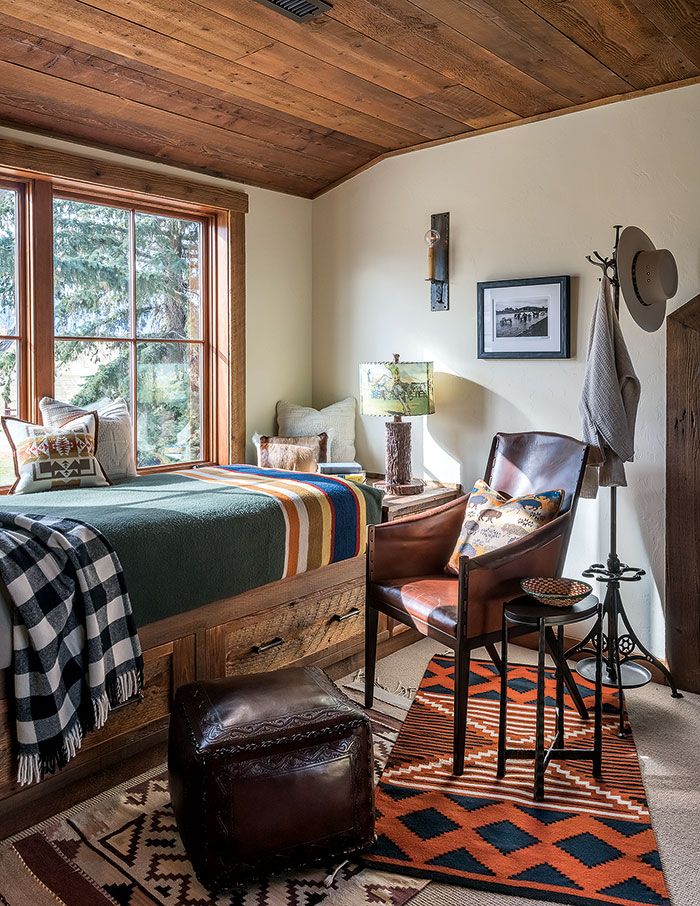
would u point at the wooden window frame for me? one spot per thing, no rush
(21, 186)
(43, 172)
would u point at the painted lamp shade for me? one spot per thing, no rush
(397, 388)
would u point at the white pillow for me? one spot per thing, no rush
(337, 420)
(115, 439)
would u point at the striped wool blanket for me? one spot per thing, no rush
(325, 517)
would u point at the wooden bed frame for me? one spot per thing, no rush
(316, 617)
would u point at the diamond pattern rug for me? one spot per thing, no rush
(123, 849)
(590, 842)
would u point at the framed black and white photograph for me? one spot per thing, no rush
(523, 319)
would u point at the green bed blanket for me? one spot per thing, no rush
(182, 543)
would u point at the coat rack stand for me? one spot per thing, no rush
(623, 653)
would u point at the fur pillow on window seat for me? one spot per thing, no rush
(300, 454)
(492, 520)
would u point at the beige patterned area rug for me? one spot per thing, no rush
(123, 848)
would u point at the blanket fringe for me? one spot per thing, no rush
(129, 685)
(33, 767)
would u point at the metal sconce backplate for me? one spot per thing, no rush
(440, 286)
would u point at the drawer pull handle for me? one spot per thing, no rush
(267, 646)
(342, 617)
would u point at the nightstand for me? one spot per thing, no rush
(434, 494)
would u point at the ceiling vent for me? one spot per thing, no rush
(299, 10)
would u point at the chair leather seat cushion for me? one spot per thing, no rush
(430, 600)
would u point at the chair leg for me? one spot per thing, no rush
(495, 656)
(371, 626)
(462, 661)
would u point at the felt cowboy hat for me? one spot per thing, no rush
(648, 277)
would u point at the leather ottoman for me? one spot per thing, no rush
(269, 771)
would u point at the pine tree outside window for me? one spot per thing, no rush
(129, 306)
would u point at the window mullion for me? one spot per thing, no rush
(40, 324)
(132, 329)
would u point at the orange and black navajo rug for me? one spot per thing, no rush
(589, 843)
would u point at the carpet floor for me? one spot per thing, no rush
(122, 848)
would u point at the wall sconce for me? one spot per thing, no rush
(438, 241)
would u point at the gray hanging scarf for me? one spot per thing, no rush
(609, 399)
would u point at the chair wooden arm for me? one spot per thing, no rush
(418, 545)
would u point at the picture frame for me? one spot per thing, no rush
(527, 318)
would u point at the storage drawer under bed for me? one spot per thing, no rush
(288, 632)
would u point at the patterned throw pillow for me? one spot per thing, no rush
(115, 449)
(493, 520)
(269, 455)
(337, 420)
(52, 459)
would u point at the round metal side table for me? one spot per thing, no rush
(544, 620)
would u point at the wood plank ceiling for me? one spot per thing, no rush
(233, 88)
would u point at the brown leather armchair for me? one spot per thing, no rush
(406, 559)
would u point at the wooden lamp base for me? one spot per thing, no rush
(398, 460)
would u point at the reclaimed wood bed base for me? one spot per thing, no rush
(316, 617)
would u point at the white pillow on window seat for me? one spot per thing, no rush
(115, 439)
(336, 420)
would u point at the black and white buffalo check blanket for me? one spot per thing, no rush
(76, 650)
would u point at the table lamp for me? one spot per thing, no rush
(398, 389)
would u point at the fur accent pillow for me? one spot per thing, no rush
(52, 459)
(291, 457)
(337, 421)
(492, 520)
(115, 449)
(317, 443)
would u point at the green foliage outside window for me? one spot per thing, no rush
(92, 298)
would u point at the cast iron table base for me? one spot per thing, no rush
(624, 654)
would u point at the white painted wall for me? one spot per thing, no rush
(278, 273)
(524, 202)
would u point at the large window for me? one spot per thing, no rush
(121, 282)
(131, 320)
(11, 286)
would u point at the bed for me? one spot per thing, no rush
(229, 570)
